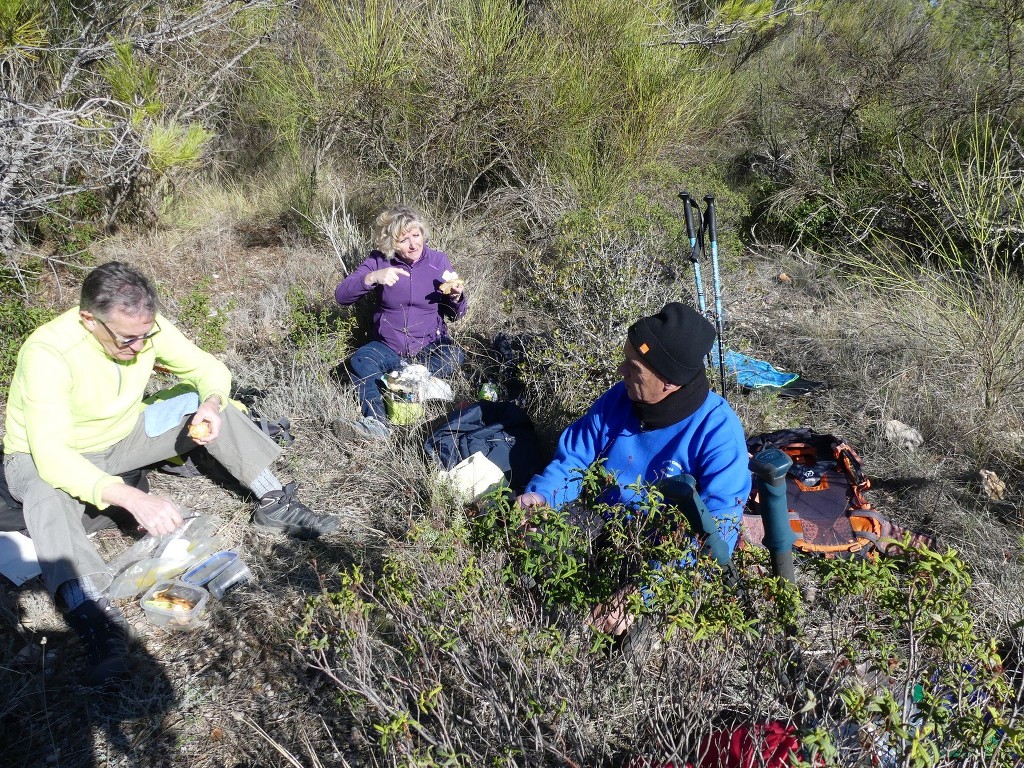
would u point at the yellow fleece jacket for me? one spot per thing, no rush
(68, 397)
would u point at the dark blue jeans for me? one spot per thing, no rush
(371, 361)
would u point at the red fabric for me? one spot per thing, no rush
(747, 746)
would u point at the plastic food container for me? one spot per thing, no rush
(401, 403)
(174, 604)
(176, 558)
(159, 558)
(236, 573)
(204, 572)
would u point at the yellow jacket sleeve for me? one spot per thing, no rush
(208, 375)
(49, 427)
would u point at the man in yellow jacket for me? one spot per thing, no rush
(76, 421)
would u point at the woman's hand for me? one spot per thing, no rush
(387, 276)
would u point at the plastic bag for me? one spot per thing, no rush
(153, 558)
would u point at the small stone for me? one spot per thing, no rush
(898, 433)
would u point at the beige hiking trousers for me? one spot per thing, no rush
(55, 519)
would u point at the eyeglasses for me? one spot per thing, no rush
(123, 343)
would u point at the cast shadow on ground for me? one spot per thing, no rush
(47, 717)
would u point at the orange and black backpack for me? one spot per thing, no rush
(825, 490)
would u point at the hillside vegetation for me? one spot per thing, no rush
(866, 160)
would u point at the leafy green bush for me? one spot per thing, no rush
(602, 271)
(206, 321)
(18, 319)
(72, 225)
(470, 645)
(452, 101)
(448, 655)
(847, 94)
(924, 680)
(319, 333)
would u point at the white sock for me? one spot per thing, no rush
(264, 483)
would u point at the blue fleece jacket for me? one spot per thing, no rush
(709, 445)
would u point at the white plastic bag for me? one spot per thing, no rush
(159, 557)
(416, 378)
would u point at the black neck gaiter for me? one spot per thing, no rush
(679, 405)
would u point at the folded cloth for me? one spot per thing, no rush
(756, 374)
(166, 409)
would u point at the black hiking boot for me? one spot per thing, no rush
(106, 637)
(281, 512)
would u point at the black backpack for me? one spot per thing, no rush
(501, 431)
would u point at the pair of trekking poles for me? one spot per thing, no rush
(697, 224)
(768, 466)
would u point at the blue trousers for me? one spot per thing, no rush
(371, 361)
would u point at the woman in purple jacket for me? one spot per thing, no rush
(417, 292)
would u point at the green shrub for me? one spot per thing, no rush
(132, 82)
(446, 654)
(319, 332)
(206, 321)
(73, 224)
(844, 98)
(602, 271)
(18, 319)
(470, 645)
(455, 100)
(924, 680)
(953, 282)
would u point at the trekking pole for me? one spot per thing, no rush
(769, 467)
(695, 249)
(711, 224)
(696, 246)
(681, 490)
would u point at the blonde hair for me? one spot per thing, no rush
(393, 222)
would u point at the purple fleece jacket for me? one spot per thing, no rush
(411, 313)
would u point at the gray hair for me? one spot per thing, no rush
(393, 222)
(116, 285)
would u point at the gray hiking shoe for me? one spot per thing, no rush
(281, 512)
(363, 428)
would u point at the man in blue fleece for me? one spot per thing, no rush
(660, 421)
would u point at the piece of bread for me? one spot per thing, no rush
(450, 285)
(199, 431)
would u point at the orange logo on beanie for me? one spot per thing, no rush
(644, 349)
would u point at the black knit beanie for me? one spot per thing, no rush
(673, 342)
